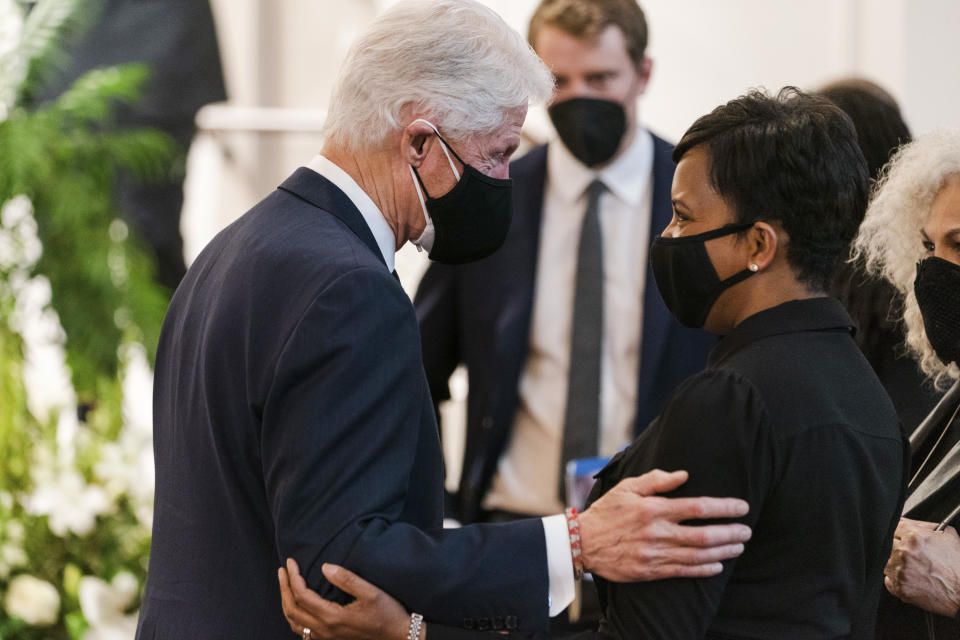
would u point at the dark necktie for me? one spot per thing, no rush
(581, 426)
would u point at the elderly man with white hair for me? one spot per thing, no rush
(292, 416)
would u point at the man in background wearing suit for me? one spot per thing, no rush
(292, 416)
(569, 349)
(177, 41)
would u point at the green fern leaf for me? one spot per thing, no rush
(47, 30)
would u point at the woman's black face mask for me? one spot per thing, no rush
(937, 286)
(686, 277)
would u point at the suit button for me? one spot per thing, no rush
(497, 623)
(512, 622)
(483, 624)
(468, 623)
(487, 422)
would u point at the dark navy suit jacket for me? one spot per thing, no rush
(292, 418)
(480, 315)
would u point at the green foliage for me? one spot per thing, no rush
(65, 158)
(47, 28)
(62, 160)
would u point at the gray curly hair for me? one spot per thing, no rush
(453, 61)
(890, 241)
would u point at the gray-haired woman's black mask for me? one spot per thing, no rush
(937, 286)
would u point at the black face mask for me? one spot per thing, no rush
(471, 220)
(686, 278)
(938, 293)
(590, 128)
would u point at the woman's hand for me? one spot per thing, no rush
(374, 615)
(924, 567)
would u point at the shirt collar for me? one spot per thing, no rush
(627, 177)
(814, 314)
(372, 215)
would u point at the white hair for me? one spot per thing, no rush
(453, 61)
(889, 241)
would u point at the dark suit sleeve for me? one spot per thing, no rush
(441, 632)
(350, 455)
(714, 428)
(437, 315)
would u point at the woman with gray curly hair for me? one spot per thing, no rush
(911, 236)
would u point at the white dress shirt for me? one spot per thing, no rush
(559, 562)
(527, 474)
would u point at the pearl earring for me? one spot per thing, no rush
(754, 267)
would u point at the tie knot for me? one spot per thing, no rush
(595, 188)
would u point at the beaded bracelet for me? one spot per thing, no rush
(576, 551)
(415, 621)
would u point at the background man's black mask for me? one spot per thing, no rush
(590, 128)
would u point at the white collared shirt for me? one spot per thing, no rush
(371, 213)
(559, 563)
(527, 474)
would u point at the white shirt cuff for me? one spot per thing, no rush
(559, 563)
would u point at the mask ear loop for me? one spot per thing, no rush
(423, 207)
(443, 145)
(422, 188)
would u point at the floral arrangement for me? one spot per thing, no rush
(79, 319)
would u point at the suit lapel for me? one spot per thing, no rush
(656, 318)
(310, 186)
(513, 324)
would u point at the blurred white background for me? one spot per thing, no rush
(285, 53)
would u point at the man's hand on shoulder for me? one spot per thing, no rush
(632, 535)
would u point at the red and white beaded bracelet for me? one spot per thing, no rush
(576, 550)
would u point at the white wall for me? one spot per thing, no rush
(286, 53)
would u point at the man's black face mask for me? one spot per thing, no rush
(590, 128)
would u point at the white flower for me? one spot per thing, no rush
(126, 466)
(45, 372)
(20, 246)
(70, 504)
(11, 24)
(35, 601)
(103, 606)
(18, 208)
(117, 629)
(13, 555)
(15, 531)
(12, 67)
(102, 602)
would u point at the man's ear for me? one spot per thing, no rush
(416, 140)
(644, 69)
(764, 242)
